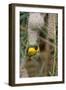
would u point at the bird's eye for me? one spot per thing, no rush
(36, 47)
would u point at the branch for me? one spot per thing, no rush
(44, 40)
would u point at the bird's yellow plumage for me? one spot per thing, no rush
(33, 51)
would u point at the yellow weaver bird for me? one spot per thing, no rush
(33, 50)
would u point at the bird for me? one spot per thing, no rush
(32, 50)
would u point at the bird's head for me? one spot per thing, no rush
(32, 50)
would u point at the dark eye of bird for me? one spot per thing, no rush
(36, 47)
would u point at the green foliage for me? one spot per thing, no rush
(23, 33)
(23, 42)
(43, 33)
(24, 18)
